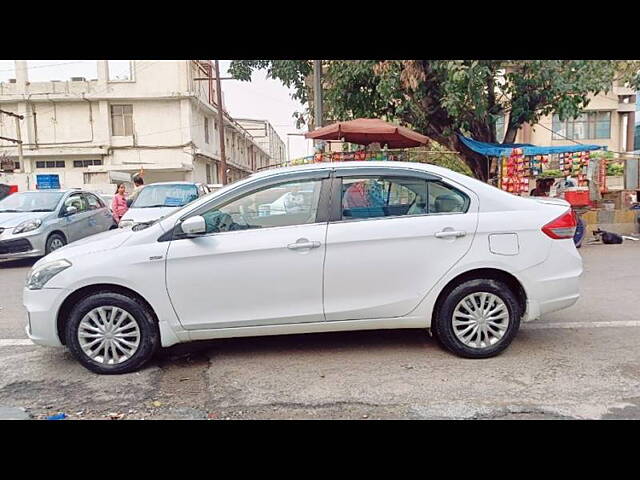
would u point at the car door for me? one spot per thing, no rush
(100, 218)
(391, 237)
(258, 264)
(76, 225)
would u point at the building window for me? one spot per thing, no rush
(206, 130)
(50, 164)
(120, 70)
(122, 120)
(86, 163)
(589, 125)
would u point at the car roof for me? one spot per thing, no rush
(60, 190)
(425, 167)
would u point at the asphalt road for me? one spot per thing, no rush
(579, 363)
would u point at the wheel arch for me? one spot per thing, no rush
(77, 295)
(481, 274)
(59, 232)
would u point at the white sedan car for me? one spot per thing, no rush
(360, 245)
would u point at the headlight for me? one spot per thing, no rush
(28, 226)
(41, 275)
(126, 223)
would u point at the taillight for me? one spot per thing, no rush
(562, 227)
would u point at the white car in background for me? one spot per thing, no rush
(360, 245)
(158, 200)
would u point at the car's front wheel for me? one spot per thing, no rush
(54, 242)
(478, 318)
(112, 333)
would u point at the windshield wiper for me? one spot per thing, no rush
(11, 211)
(41, 210)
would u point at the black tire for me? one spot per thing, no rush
(149, 332)
(53, 237)
(443, 324)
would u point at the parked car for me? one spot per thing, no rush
(35, 223)
(360, 245)
(158, 200)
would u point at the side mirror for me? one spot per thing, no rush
(70, 210)
(194, 225)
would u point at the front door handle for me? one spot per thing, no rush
(302, 244)
(450, 234)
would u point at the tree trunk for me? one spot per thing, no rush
(479, 164)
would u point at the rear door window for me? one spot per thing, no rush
(371, 197)
(376, 197)
(446, 199)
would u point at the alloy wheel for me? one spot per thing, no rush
(109, 335)
(56, 243)
(480, 320)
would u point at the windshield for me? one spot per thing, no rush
(31, 202)
(176, 195)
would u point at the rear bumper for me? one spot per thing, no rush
(555, 283)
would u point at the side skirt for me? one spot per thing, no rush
(316, 327)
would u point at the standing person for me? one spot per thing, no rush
(119, 203)
(139, 184)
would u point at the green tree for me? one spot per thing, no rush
(441, 98)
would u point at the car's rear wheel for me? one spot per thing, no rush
(111, 333)
(478, 318)
(54, 242)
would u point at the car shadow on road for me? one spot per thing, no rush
(311, 343)
(18, 263)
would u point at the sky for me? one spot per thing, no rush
(262, 98)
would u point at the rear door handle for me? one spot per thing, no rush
(450, 234)
(302, 245)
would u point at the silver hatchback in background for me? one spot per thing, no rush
(33, 224)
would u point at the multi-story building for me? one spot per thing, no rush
(158, 115)
(266, 136)
(609, 120)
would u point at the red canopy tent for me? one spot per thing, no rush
(364, 131)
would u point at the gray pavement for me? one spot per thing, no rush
(560, 372)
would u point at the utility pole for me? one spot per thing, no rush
(317, 93)
(223, 158)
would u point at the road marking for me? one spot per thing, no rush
(536, 326)
(15, 342)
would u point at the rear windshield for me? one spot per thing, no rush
(172, 195)
(31, 202)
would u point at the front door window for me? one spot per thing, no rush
(293, 203)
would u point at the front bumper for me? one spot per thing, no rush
(42, 310)
(30, 244)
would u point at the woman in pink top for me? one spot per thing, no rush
(119, 203)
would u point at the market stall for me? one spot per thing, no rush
(520, 167)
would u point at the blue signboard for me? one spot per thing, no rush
(47, 182)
